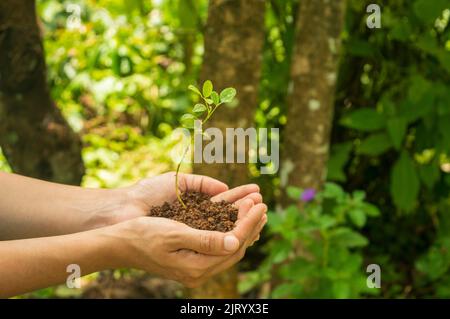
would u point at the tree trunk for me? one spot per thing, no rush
(34, 136)
(311, 101)
(234, 38)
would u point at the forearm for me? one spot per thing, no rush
(30, 264)
(33, 208)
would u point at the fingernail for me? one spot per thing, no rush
(265, 208)
(231, 243)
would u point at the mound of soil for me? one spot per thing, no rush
(201, 212)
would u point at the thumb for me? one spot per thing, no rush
(210, 242)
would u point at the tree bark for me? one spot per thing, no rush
(234, 39)
(311, 99)
(34, 136)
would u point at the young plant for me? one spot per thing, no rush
(210, 100)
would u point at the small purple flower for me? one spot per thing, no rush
(308, 195)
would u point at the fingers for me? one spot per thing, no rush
(248, 223)
(203, 184)
(256, 235)
(243, 209)
(206, 242)
(236, 193)
(224, 263)
(255, 197)
(217, 264)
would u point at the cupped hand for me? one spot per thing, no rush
(154, 191)
(176, 251)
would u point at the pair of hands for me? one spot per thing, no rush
(176, 251)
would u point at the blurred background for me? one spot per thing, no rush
(363, 109)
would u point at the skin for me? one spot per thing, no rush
(45, 227)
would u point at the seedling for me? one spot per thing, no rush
(202, 111)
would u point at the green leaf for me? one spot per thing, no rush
(209, 101)
(215, 97)
(364, 119)
(199, 109)
(404, 183)
(429, 174)
(434, 263)
(285, 290)
(341, 289)
(358, 217)
(332, 190)
(428, 11)
(346, 237)
(396, 128)
(360, 48)
(227, 95)
(376, 144)
(187, 121)
(370, 210)
(194, 89)
(207, 88)
(359, 196)
(340, 155)
(294, 192)
(280, 251)
(252, 280)
(444, 129)
(401, 30)
(326, 221)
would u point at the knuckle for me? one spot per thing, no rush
(207, 242)
(257, 198)
(172, 236)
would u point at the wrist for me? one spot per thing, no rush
(113, 247)
(104, 207)
(121, 240)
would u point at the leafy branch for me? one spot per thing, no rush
(202, 112)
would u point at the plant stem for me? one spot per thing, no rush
(210, 113)
(177, 189)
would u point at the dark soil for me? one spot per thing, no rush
(201, 213)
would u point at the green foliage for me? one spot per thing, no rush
(4, 166)
(121, 156)
(404, 183)
(391, 137)
(316, 252)
(126, 62)
(120, 80)
(375, 144)
(364, 119)
(409, 112)
(210, 101)
(434, 265)
(395, 120)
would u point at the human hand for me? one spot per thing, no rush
(154, 191)
(176, 251)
